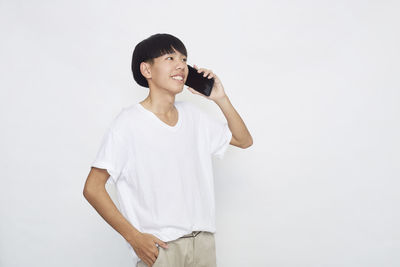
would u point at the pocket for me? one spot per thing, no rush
(158, 259)
(155, 264)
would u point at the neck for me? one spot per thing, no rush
(161, 104)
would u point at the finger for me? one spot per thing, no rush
(202, 71)
(161, 243)
(153, 258)
(192, 90)
(212, 75)
(208, 72)
(150, 260)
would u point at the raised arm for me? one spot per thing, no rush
(240, 135)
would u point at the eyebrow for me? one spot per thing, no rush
(174, 53)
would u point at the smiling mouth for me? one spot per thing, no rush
(177, 78)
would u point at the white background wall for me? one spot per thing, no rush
(316, 82)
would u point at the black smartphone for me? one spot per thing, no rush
(199, 83)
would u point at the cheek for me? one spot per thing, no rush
(161, 75)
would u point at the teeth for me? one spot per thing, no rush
(177, 78)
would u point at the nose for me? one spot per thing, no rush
(181, 65)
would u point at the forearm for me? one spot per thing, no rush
(100, 200)
(235, 122)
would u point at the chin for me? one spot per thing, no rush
(179, 91)
(180, 88)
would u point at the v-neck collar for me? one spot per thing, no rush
(159, 121)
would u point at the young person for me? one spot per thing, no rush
(158, 153)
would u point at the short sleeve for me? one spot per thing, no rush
(218, 135)
(112, 154)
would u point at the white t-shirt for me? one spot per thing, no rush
(163, 174)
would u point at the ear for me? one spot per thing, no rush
(145, 69)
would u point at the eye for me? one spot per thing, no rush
(185, 59)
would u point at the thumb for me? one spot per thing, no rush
(161, 243)
(193, 91)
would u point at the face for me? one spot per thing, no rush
(169, 72)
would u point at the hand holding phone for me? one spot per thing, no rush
(198, 82)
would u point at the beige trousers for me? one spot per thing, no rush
(193, 250)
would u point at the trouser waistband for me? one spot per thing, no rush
(192, 234)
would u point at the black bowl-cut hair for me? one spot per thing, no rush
(154, 46)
